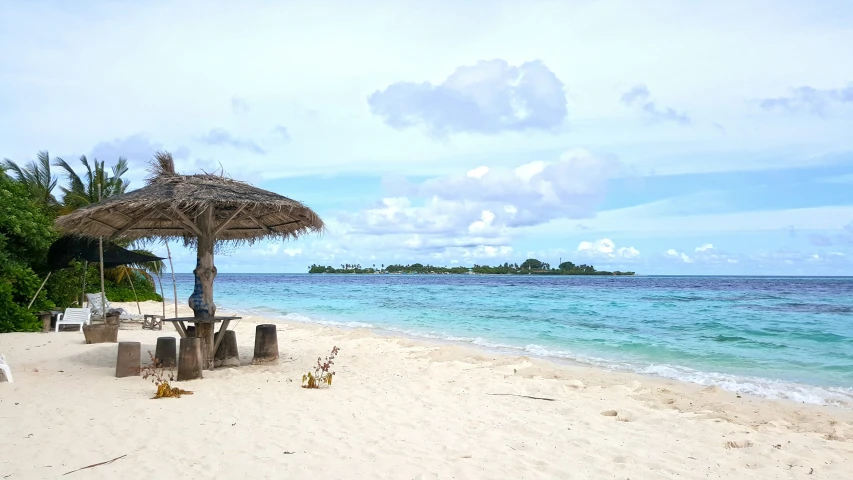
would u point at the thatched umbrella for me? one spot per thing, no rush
(200, 209)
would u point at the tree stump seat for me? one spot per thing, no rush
(227, 355)
(128, 359)
(190, 359)
(166, 352)
(266, 345)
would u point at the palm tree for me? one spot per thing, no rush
(82, 191)
(36, 176)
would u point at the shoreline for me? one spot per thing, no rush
(543, 363)
(785, 389)
(398, 408)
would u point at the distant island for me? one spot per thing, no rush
(531, 266)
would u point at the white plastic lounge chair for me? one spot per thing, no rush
(74, 316)
(4, 367)
(94, 300)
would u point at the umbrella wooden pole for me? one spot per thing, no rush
(201, 301)
(39, 290)
(160, 281)
(174, 285)
(101, 265)
(135, 296)
(85, 272)
(101, 256)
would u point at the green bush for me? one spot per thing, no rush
(17, 286)
(25, 235)
(120, 292)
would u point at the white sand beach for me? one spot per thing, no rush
(398, 409)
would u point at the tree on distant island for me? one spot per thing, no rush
(531, 266)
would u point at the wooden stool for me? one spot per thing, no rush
(166, 352)
(45, 318)
(151, 321)
(266, 345)
(189, 362)
(227, 355)
(127, 362)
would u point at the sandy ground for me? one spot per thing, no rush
(398, 409)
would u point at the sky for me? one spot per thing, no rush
(661, 137)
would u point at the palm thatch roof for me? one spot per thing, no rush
(168, 206)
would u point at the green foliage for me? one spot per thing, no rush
(64, 288)
(36, 177)
(82, 191)
(530, 266)
(344, 269)
(27, 212)
(18, 284)
(26, 228)
(422, 269)
(120, 291)
(25, 235)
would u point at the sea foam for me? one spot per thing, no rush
(760, 387)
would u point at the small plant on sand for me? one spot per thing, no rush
(321, 374)
(161, 376)
(733, 445)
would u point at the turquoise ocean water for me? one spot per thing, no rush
(773, 337)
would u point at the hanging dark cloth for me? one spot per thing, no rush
(69, 248)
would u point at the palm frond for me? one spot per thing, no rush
(82, 191)
(75, 183)
(17, 170)
(162, 165)
(36, 176)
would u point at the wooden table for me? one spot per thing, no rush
(181, 327)
(46, 317)
(152, 321)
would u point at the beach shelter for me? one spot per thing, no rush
(68, 248)
(202, 210)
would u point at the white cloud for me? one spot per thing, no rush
(605, 249)
(478, 172)
(268, 250)
(795, 257)
(707, 254)
(704, 247)
(519, 178)
(704, 254)
(328, 99)
(489, 97)
(480, 226)
(485, 251)
(672, 253)
(569, 187)
(649, 221)
(486, 206)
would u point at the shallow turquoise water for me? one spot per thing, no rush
(774, 337)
